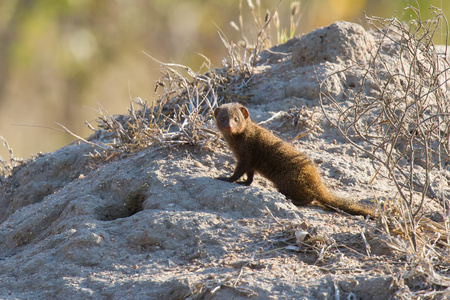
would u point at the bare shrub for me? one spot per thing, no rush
(404, 124)
(399, 115)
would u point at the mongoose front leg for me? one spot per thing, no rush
(240, 170)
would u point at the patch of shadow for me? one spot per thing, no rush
(175, 289)
(39, 226)
(369, 288)
(125, 209)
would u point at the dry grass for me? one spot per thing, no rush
(183, 112)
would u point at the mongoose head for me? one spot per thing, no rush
(231, 118)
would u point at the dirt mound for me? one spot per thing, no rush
(156, 224)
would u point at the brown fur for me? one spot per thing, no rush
(258, 150)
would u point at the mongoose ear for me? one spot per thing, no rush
(216, 112)
(245, 112)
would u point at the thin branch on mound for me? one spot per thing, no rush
(82, 139)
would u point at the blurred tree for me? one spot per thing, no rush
(12, 16)
(57, 56)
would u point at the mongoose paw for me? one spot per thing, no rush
(223, 178)
(247, 183)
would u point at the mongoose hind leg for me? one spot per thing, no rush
(249, 178)
(296, 200)
(247, 182)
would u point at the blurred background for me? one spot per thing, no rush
(62, 60)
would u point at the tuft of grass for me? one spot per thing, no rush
(248, 51)
(285, 34)
(7, 166)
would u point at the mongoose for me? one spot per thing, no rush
(258, 150)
